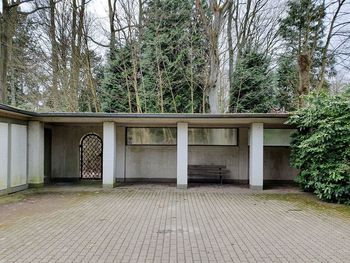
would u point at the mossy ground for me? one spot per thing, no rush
(309, 201)
(37, 192)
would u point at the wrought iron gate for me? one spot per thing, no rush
(91, 157)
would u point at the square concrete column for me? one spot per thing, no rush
(256, 156)
(109, 154)
(35, 154)
(182, 155)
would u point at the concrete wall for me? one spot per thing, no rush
(218, 155)
(13, 155)
(150, 162)
(47, 154)
(4, 154)
(65, 149)
(18, 156)
(159, 162)
(276, 164)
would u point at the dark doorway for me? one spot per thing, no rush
(47, 155)
(91, 157)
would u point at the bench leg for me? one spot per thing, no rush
(221, 179)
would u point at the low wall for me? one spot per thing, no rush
(13, 155)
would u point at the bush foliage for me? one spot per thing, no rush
(321, 148)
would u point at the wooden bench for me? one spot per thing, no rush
(218, 171)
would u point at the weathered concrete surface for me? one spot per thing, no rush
(182, 155)
(256, 156)
(150, 162)
(152, 223)
(120, 152)
(159, 162)
(65, 149)
(109, 154)
(4, 154)
(35, 153)
(277, 164)
(18, 156)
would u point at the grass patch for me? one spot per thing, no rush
(306, 201)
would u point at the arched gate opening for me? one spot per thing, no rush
(91, 157)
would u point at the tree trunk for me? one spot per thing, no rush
(214, 59)
(213, 28)
(77, 34)
(7, 30)
(53, 97)
(111, 15)
(230, 44)
(304, 62)
(325, 48)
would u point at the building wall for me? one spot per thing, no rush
(13, 155)
(144, 162)
(65, 149)
(47, 154)
(150, 162)
(4, 155)
(18, 155)
(276, 164)
(218, 155)
(159, 162)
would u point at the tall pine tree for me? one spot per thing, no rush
(251, 88)
(174, 57)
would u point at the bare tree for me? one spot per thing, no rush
(213, 27)
(11, 9)
(335, 29)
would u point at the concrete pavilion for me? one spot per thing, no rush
(36, 148)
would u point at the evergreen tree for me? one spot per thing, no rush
(286, 83)
(167, 63)
(116, 93)
(172, 63)
(251, 89)
(303, 32)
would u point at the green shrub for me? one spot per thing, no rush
(321, 147)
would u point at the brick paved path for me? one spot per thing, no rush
(162, 224)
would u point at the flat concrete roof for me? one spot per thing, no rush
(144, 118)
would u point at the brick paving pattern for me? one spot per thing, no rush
(163, 224)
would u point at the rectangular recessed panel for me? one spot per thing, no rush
(212, 136)
(18, 170)
(3, 155)
(151, 136)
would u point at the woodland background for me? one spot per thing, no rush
(187, 56)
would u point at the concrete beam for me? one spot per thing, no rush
(182, 155)
(35, 154)
(256, 156)
(109, 154)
